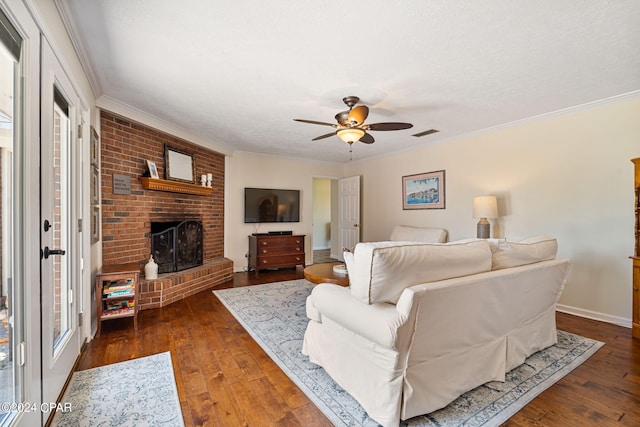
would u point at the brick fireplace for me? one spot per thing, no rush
(126, 218)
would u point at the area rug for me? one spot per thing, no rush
(138, 392)
(274, 315)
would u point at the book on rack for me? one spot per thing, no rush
(118, 293)
(114, 305)
(119, 288)
(118, 311)
(120, 284)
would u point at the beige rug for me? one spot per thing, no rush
(274, 315)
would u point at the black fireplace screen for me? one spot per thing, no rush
(176, 246)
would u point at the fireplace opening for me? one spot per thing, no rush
(177, 245)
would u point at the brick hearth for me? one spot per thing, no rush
(172, 287)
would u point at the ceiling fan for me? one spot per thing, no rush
(350, 124)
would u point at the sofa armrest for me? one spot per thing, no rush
(377, 322)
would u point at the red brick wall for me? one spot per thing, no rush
(126, 219)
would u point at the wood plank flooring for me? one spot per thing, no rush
(225, 379)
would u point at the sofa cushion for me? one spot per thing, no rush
(382, 270)
(513, 254)
(403, 233)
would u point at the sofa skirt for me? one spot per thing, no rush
(366, 369)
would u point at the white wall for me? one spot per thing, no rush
(254, 170)
(567, 176)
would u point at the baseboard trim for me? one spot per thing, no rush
(594, 315)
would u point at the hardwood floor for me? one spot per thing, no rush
(225, 379)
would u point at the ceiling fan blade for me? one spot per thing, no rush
(389, 126)
(323, 136)
(358, 115)
(367, 139)
(313, 122)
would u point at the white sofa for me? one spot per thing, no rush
(404, 233)
(422, 324)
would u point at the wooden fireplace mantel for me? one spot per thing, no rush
(174, 186)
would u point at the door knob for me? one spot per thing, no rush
(48, 252)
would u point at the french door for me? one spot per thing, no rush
(19, 238)
(60, 207)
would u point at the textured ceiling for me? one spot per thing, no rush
(235, 74)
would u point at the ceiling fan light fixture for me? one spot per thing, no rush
(350, 135)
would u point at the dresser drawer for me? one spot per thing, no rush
(279, 250)
(279, 242)
(279, 260)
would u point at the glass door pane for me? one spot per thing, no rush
(61, 273)
(9, 368)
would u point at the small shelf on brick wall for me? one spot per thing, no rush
(174, 186)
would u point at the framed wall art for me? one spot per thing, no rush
(423, 191)
(95, 147)
(95, 224)
(95, 187)
(178, 165)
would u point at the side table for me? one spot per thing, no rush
(323, 273)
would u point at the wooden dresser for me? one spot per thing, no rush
(635, 325)
(275, 251)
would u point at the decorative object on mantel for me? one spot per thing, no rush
(423, 191)
(484, 207)
(151, 269)
(153, 169)
(179, 165)
(205, 180)
(174, 186)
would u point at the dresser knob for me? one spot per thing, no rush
(264, 261)
(264, 251)
(264, 243)
(298, 249)
(297, 258)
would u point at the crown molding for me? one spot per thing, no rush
(131, 113)
(76, 37)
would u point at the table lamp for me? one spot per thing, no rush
(485, 207)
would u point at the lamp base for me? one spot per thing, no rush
(484, 229)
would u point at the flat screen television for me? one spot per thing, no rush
(271, 205)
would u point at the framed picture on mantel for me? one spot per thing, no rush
(423, 191)
(178, 165)
(153, 169)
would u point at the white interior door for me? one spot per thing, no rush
(349, 212)
(60, 208)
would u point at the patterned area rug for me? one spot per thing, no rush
(274, 315)
(138, 392)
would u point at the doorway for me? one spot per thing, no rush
(325, 211)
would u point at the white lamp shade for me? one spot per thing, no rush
(350, 134)
(485, 207)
